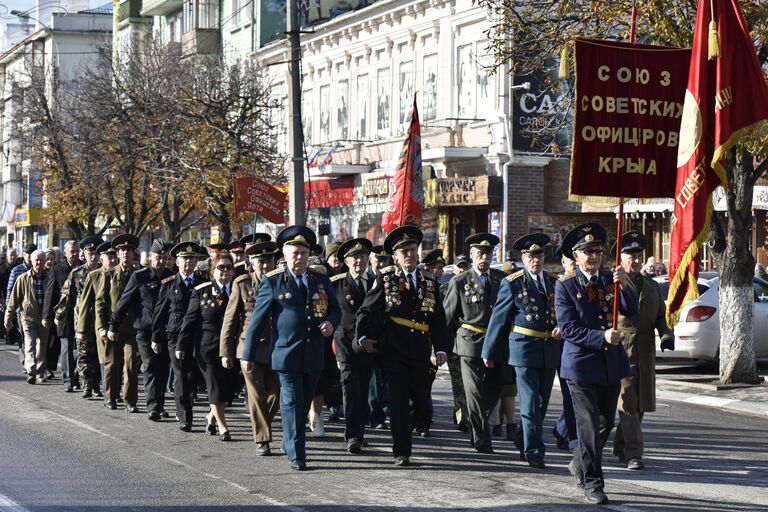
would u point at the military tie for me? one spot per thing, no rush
(303, 288)
(486, 282)
(411, 285)
(224, 293)
(540, 284)
(188, 282)
(360, 285)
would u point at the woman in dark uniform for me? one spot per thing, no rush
(201, 328)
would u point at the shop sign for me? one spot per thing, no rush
(27, 216)
(377, 187)
(330, 193)
(466, 191)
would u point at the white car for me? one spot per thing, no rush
(697, 334)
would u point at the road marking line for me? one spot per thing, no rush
(709, 400)
(8, 505)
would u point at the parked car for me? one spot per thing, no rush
(697, 334)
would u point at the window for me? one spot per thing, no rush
(362, 107)
(465, 82)
(187, 17)
(761, 290)
(342, 110)
(405, 80)
(306, 116)
(382, 103)
(325, 114)
(429, 89)
(208, 14)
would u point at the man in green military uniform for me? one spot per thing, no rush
(638, 390)
(468, 304)
(523, 330)
(121, 346)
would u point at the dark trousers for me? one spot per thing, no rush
(534, 387)
(566, 422)
(53, 352)
(355, 380)
(482, 390)
(595, 409)
(68, 360)
(296, 393)
(378, 401)
(184, 385)
(407, 379)
(154, 368)
(628, 440)
(460, 414)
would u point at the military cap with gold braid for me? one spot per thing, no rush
(632, 242)
(354, 246)
(158, 247)
(582, 237)
(125, 241)
(532, 243)
(399, 237)
(482, 241)
(266, 249)
(379, 252)
(236, 247)
(219, 247)
(434, 257)
(254, 238)
(91, 242)
(186, 249)
(296, 235)
(105, 247)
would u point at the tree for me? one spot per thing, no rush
(526, 33)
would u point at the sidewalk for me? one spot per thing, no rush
(748, 400)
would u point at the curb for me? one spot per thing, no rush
(728, 404)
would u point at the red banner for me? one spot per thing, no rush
(629, 101)
(257, 196)
(330, 193)
(405, 204)
(726, 96)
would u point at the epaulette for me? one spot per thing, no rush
(551, 274)
(201, 286)
(388, 269)
(274, 272)
(429, 275)
(567, 276)
(168, 279)
(240, 279)
(338, 277)
(514, 277)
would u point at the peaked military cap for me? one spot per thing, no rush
(296, 235)
(105, 247)
(254, 238)
(461, 259)
(532, 243)
(266, 248)
(482, 240)
(583, 236)
(404, 235)
(316, 250)
(219, 247)
(434, 257)
(354, 246)
(158, 247)
(125, 241)
(236, 247)
(379, 252)
(331, 249)
(168, 246)
(632, 242)
(91, 242)
(185, 249)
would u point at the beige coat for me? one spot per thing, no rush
(237, 317)
(23, 297)
(638, 390)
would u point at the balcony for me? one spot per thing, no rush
(160, 7)
(200, 41)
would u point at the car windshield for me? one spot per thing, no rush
(665, 288)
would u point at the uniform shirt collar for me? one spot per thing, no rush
(585, 274)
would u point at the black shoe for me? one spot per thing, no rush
(635, 463)
(210, 429)
(423, 432)
(575, 473)
(225, 437)
(595, 496)
(484, 449)
(496, 431)
(69, 389)
(154, 416)
(298, 465)
(88, 393)
(164, 414)
(185, 427)
(511, 430)
(334, 414)
(354, 446)
(110, 404)
(380, 426)
(31, 379)
(120, 400)
(462, 427)
(262, 449)
(538, 464)
(131, 408)
(97, 392)
(402, 461)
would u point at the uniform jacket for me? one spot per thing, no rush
(583, 314)
(201, 327)
(297, 345)
(389, 299)
(466, 303)
(108, 292)
(56, 287)
(70, 296)
(86, 304)
(521, 304)
(237, 317)
(138, 300)
(172, 304)
(638, 390)
(350, 298)
(24, 297)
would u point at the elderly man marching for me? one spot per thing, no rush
(469, 301)
(402, 319)
(303, 311)
(638, 390)
(594, 360)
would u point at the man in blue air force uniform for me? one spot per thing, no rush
(594, 360)
(304, 312)
(523, 330)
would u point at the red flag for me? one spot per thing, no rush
(726, 97)
(405, 204)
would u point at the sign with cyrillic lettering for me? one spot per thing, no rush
(629, 103)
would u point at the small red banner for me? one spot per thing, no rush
(257, 196)
(629, 102)
(330, 193)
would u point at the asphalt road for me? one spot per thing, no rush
(59, 452)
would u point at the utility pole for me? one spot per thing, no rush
(295, 132)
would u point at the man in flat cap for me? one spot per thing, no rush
(355, 364)
(523, 332)
(468, 304)
(120, 353)
(402, 320)
(261, 381)
(334, 263)
(167, 317)
(594, 360)
(138, 301)
(638, 389)
(303, 311)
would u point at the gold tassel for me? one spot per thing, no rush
(714, 41)
(564, 71)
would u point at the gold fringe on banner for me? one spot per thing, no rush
(714, 41)
(564, 68)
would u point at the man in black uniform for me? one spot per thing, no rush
(355, 364)
(171, 306)
(65, 329)
(401, 319)
(139, 297)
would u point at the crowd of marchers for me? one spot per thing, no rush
(358, 328)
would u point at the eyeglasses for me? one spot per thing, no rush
(224, 268)
(593, 252)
